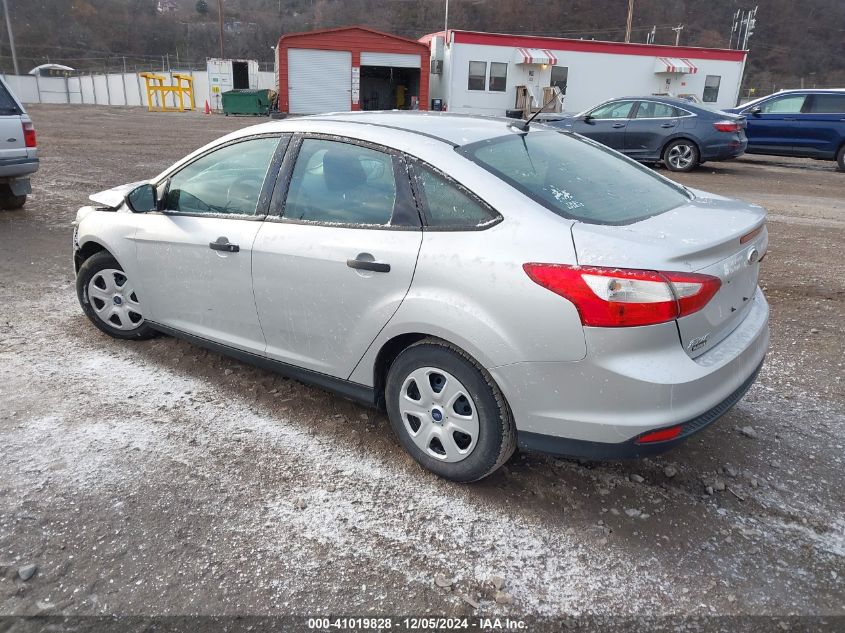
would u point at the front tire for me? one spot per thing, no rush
(681, 155)
(448, 412)
(109, 300)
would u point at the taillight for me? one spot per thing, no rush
(624, 297)
(29, 134)
(727, 126)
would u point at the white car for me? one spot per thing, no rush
(489, 285)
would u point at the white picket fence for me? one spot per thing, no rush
(115, 89)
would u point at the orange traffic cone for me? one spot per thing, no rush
(207, 109)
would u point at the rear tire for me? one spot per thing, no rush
(681, 155)
(9, 201)
(840, 158)
(447, 412)
(108, 298)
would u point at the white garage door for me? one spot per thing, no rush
(394, 60)
(319, 81)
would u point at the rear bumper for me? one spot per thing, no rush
(633, 380)
(18, 166)
(631, 449)
(724, 150)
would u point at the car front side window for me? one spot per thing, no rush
(783, 105)
(341, 183)
(226, 181)
(614, 110)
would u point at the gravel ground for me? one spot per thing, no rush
(156, 478)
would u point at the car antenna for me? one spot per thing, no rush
(524, 126)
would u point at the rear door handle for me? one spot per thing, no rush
(362, 264)
(668, 124)
(222, 244)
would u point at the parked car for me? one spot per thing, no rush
(806, 123)
(18, 150)
(675, 131)
(487, 286)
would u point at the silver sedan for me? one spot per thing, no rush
(490, 286)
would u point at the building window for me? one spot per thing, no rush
(711, 88)
(477, 75)
(498, 77)
(560, 74)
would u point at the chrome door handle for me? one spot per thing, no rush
(222, 244)
(618, 125)
(362, 264)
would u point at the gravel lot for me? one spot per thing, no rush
(156, 478)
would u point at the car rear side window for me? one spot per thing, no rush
(341, 183)
(225, 181)
(828, 104)
(7, 103)
(654, 110)
(447, 205)
(576, 178)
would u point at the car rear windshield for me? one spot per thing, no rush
(576, 178)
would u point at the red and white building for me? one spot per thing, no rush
(350, 68)
(479, 72)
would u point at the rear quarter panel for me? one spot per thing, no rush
(470, 289)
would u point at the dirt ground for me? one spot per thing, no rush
(158, 478)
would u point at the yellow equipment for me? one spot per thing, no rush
(158, 91)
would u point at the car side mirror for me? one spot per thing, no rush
(142, 199)
(756, 110)
(587, 118)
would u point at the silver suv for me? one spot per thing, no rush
(487, 285)
(18, 150)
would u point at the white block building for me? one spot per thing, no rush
(477, 72)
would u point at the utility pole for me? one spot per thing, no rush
(743, 25)
(11, 38)
(630, 20)
(446, 22)
(220, 18)
(678, 30)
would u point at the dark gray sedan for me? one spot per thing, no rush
(677, 132)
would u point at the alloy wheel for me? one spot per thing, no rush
(680, 156)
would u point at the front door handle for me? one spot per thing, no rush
(362, 264)
(222, 244)
(618, 125)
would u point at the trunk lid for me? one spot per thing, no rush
(703, 236)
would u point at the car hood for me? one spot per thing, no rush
(114, 197)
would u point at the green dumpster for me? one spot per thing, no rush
(247, 102)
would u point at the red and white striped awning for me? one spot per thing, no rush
(678, 65)
(535, 56)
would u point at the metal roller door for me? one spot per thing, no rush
(319, 81)
(392, 60)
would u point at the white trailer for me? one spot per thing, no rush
(229, 74)
(476, 72)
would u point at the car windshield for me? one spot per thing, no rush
(576, 178)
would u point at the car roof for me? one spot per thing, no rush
(454, 129)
